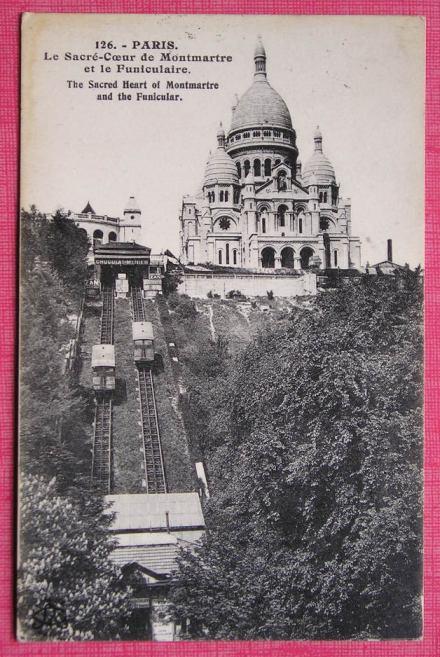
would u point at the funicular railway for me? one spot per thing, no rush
(153, 458)
(102, 435)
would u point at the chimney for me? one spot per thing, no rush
(390, 250)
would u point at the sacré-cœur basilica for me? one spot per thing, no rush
(257, 207)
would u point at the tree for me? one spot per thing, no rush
(54, 411)
(68, 589)
(56, 241)
(314, 521)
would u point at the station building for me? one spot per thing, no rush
(257, 207)
(102, 229)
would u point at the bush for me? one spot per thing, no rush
(186, 308)
(270, 295)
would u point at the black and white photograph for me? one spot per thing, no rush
(221, 328)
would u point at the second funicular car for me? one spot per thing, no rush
(143, 340)
(103, 367)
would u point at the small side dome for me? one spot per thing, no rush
(220, 167)
(318, 164)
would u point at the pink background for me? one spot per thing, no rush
(9, 144)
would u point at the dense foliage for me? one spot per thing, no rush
(67, 587)
(313, 440)
(56, 241)
(53, 438)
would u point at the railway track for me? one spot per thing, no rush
(102, 432)
(153, 458)
(137, 305)
(108, 307)
(102, 435)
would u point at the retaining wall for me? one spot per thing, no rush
(252, 285)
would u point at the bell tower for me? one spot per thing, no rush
(131, 222)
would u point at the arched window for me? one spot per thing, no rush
(277, 162)
(247, 167)
(226, 196)
(112, 237)
(300, 225)
(287, 257)
(227, 254)
(320, 197)
(335, 257)
(97, 237)
(267, 167)
(238, 165)
(221, 196)
(220, 257)
(325, 197)
(263, 224)
(305, 253)
(234, 256)
(213, 197)
(268, 257)
(257, 168)
(282, 215)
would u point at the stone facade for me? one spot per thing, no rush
(256, 207)
(102, 229)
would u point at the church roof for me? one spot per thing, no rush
(261, 105)
(318, 166)
(220, 166)
(88, 209)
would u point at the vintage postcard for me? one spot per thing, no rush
(221, 328)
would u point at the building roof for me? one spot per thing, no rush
(261, 105)
(220, 167)
(318, 165)
(88, 209)
(137, 512)
(132, 205)
(142, 331)
(103, 355)
(122, 247)
(161, 559)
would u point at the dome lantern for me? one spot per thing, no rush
(260, 60)
(221, 138)
(317, 137)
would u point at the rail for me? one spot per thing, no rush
(153, 458)
(102, 431)
(101, 453)
(152, 448)
(108, 307)
(137, 305)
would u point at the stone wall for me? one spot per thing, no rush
(251, 285)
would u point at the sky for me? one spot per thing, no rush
(361, 79)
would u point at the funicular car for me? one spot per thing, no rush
(143, 341)
(103, 367)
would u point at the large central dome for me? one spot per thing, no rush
(261, 105)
